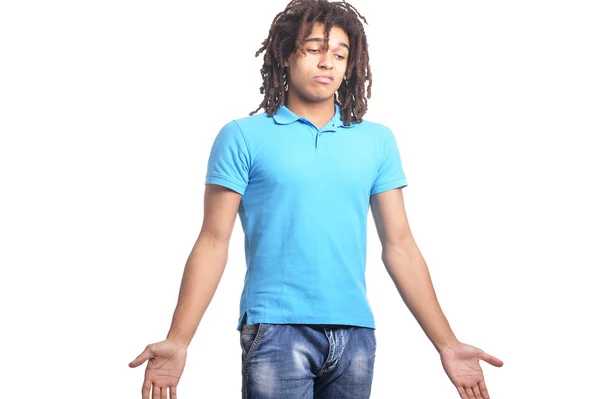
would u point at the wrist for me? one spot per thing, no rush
(447, 345)
(179, 341)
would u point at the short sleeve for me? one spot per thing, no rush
(229, 160)
(390, 173)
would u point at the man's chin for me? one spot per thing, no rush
(316, 98)
(322, 99)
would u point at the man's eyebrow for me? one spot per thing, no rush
(320, 40)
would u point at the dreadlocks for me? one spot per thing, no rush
(289, 30)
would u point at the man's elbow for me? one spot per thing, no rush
(400, 251)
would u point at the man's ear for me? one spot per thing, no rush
(286, 62)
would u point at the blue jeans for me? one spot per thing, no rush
(302, 361)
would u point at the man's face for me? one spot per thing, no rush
(316, 75)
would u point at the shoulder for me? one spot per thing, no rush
(253, 122)
(240, 127)
(378, 130)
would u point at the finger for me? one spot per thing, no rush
(483, 390)
(163, 394)
(477, 392)
(155, 391)
(146, 389)
(173, 392)
(494, 361)
(145, 355)
(470, 393)
(463, 394)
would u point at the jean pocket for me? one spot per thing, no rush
(249, 335)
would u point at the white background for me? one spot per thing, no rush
(107, 114)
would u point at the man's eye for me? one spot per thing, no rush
(340, 57)
(312, 50)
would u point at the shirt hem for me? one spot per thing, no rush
(369, 323)
(388, 186)
(221, 181)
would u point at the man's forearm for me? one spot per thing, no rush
(203, 271)
(410, 274)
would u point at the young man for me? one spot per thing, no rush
(302, 176)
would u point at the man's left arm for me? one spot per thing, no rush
(407, 268)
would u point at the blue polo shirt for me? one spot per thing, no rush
(304, 206)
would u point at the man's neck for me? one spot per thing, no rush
(318, 113)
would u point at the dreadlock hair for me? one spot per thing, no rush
(290, 28)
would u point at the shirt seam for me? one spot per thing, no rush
(247, 148)
(227, 179)
(390, 181)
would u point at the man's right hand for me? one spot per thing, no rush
(166, 360)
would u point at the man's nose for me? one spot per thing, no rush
(326, 60)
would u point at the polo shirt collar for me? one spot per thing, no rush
(285, 116)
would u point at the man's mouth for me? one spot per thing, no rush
(324, 79)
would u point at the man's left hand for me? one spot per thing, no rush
(461, 363)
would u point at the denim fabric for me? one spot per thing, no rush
(302, 361)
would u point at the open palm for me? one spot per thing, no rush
(166, 361)
(461, 363)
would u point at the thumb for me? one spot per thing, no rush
(494, 361)
(145, 355)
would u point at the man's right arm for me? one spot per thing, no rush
(206, 263)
